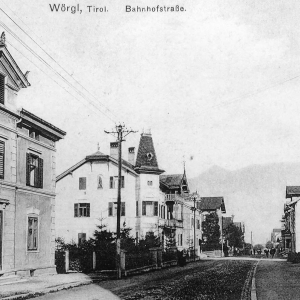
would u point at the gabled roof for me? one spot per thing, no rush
(97, 156)
(292, 191)
(226, 222)
(211, 204)
(146, 160)
(16, 75)
(171, 181)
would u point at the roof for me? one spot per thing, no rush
(226, 222)
(54, 131)
(171, 181)
(146, 160)
(292, 191)
(97, 156)
(212, 203)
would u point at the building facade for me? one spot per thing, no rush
(27, 177)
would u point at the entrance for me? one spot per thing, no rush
(1, 235)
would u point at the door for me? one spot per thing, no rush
(1, 235)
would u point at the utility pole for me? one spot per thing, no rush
(251, 243)
(222, 236)
(194, 208)
(119, 131)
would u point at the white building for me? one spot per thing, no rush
(87, 193)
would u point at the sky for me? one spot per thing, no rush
(217, 84)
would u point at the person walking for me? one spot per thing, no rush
(272, 252)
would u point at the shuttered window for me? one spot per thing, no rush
(34, 170)
(81, 209)
(155, 208)
(2, 160)
(112, 209)
(2, 88)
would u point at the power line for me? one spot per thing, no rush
(55, 61)
(53, 70)
(58, 82)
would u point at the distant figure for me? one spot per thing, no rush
(272, 252)
(225, 250)
(267, 252)
(254, 251)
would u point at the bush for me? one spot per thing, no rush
(294, 257)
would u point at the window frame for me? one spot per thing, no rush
(82, 183)
(37, 248)
(39, 171)
(112, 209)
(2, 157)
(77, 207)
(154, 205)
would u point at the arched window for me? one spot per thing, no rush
(99, 182)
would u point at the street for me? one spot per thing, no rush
(210, 279)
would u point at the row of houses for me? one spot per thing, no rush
(152, 203)
(36, 206)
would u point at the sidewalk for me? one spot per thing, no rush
(277, 280)
(39, 285)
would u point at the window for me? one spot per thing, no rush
(32, 238)
(137, 208)
(34, 171)
(150, 182)
(81, 238)
(162, 212)
(2, 88)
(100, 182)
(2, 150)
(82, 183)
(179, 241)
(81, 209)
(192, 222)
(113, 182)
(112, 209)
(198, 224)
(150, 208)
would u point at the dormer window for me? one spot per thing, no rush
(2, 88)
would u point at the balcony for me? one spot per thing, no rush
(171, 223)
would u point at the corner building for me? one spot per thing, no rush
(27, 178)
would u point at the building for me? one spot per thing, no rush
(276, 235)
(290, 227)
(27, 176)
(87, 193)
(151, 203)
(216, 205)
(183, 222)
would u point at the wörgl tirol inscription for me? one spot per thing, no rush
(73, 9)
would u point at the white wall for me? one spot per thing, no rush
(68, 193)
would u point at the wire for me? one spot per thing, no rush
(52, 78)
(55, 61)
(49, 66)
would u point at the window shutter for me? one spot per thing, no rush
(2, 160)
(40, 172)
(122, 182)
(28, 168)
(144, 208)
(88, 209)
(137, 208)
(110, 208)
(2, 88)
(76, 210)
(122, 208)
(155, 208)
(111, 182)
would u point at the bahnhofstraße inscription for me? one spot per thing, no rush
(78, 9)
(157, 8)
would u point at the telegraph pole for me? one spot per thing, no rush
(119, 131)
(194, 228)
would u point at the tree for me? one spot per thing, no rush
(269, 245)
(258, 247)
(211, 232)
(234, 236)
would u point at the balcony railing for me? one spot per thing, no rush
(173, 223)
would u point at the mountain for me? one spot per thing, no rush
(254, 194)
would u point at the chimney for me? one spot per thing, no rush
(114, 150)
(131, 154)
